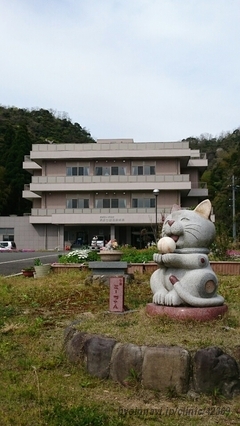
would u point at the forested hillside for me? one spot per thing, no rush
(222, 177)
(19, 129)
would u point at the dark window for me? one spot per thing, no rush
(98, 171)
(74, 203)
(149, 170)
(114, 203)
(134, 203)
(143, 170)
(152, 202)
(83, 203)
(77, 171)
(106, 203)
(77, 203)
(86, 203)
(114, 171)
(143, 203)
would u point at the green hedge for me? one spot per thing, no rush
(130, 255)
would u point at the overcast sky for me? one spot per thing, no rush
(151, 70)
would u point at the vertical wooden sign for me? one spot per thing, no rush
(116, 297)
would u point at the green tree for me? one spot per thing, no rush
(19, 130)
(5, 190)
(16, 177)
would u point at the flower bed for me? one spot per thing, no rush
(224, 268)
(75, 256)
(138, 261)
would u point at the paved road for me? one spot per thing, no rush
(12, 263)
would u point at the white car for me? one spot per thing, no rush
(7, 245)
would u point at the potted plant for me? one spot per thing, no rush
(109, 253)
(41, 270)
(28, 272)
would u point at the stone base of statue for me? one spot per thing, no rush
(187, 312)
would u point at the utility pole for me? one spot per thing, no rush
(234, 209)
(156, 193)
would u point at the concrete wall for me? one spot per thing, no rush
(37, 237)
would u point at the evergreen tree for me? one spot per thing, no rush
(16, 177)
(5, 190)
(19, 130)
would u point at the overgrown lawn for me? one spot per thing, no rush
(40, 387)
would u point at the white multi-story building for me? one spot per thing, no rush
(106, 188)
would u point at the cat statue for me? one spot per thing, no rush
(185, 276)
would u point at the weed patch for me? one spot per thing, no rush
(81, 416)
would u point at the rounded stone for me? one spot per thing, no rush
(166, 245)
(187, 313)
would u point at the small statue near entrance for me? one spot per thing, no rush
(185, 276)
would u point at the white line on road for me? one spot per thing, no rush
(24, 260)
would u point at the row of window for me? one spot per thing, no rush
(78, 203)
(113, 203)
(77, 171)
(111, 171)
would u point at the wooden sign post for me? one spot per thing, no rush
(116, 297)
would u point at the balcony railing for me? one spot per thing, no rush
(109, 179)
(50, 212)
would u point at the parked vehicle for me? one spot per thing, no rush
(7, 245)
(98, 242)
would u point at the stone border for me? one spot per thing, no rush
(161, 368)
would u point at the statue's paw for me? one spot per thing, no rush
(159, 297)
(172, 299)
(157, 258)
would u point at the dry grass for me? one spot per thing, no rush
(136, 327)
(40, 387)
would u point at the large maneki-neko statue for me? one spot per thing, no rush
(185, 276)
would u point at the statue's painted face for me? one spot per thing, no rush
(190, 228)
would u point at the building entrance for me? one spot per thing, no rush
(141, 237)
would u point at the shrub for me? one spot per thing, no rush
(133, 255)
(79, 256)
(220, 246)
(130, 255)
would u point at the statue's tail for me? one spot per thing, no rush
(216, 300)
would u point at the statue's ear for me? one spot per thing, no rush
(175, 207)
(204, 209)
